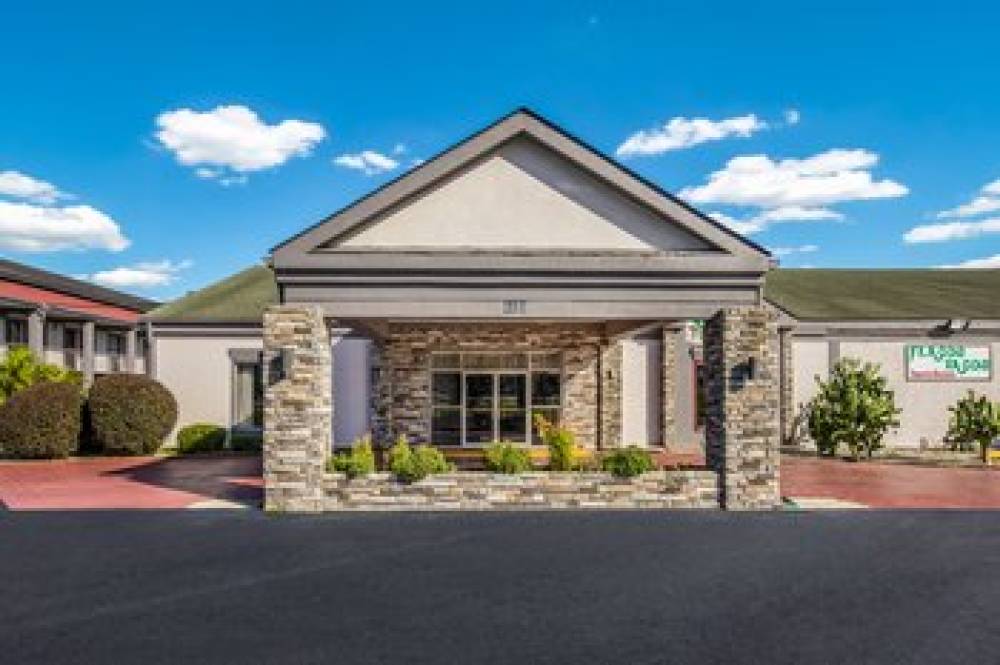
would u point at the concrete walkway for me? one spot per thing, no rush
(131, 482)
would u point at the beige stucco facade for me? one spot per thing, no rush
(198, 370)
(924, 415)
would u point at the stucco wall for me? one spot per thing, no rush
(525, 196)
(198, 371)
(810, 358)
(924, 404)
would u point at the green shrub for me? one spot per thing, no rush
(854, 407)
(41, 421)
(130, 414)
(358, 461)
(560, 442)
(246, 441)
(974, 420)
(503, 457)
(21, 369)
(627, 462)
(201, 438)
(413, 464)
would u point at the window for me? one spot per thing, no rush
(480, 397)
(116, 351)
(16, 332)
(71, 347)
(248, 395)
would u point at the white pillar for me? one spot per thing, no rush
(87, 342)
(36, 333)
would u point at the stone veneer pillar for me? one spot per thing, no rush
(298, 407)
(611, 394)
(742, 429)
(670, 348)
(787, 386)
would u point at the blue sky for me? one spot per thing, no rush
(180, 144)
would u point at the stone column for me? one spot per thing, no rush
(670, 348)
(742, 429)
(298, 407)
(36, 333)
(787, 385)
(611, 394)
(87, 352)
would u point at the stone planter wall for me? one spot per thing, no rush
(535, 490)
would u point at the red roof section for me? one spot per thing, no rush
(40, 296)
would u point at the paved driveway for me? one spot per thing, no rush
(130, 482)
(887, 485)
(634, 588)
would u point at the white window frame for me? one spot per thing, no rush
(527, 372)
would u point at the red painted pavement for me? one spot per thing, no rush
(883, 485)
(157, 482)
(128, 482)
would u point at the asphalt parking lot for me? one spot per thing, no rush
(613, 587)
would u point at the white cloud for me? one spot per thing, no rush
(233, 139)
(764, 219)
(801, 249)
(20, 186)
(682, 132)
(369, 162)
(946, 231)
(988, 201)
(792, 116)
(26, 227)
(140, 275)
(984, 263)
(977, 206)
(824, 179)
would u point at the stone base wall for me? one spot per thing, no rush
(404, 375)
(538, 490)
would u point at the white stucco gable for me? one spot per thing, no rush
(522, 196)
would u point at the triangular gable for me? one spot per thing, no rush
(519, 184)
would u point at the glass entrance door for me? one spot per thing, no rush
(479, 420)
(512, 411)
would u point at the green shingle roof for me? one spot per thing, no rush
(241, 297)
(857, 295)
(806, 294)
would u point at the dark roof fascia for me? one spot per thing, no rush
(31, 276)
(426, 175)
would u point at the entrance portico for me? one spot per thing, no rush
(520, 273)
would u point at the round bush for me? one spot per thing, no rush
(130, 414)
(41, 421)
(201, 438)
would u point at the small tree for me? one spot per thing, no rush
(853, 407)
(974, 420)
(21, 369)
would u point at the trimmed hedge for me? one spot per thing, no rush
(412, 464)
(41, 421)
(130, 414)
(201, 438)
(246, 442)
(627, 462)
(504, 457)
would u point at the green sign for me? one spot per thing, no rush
(948, 362)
